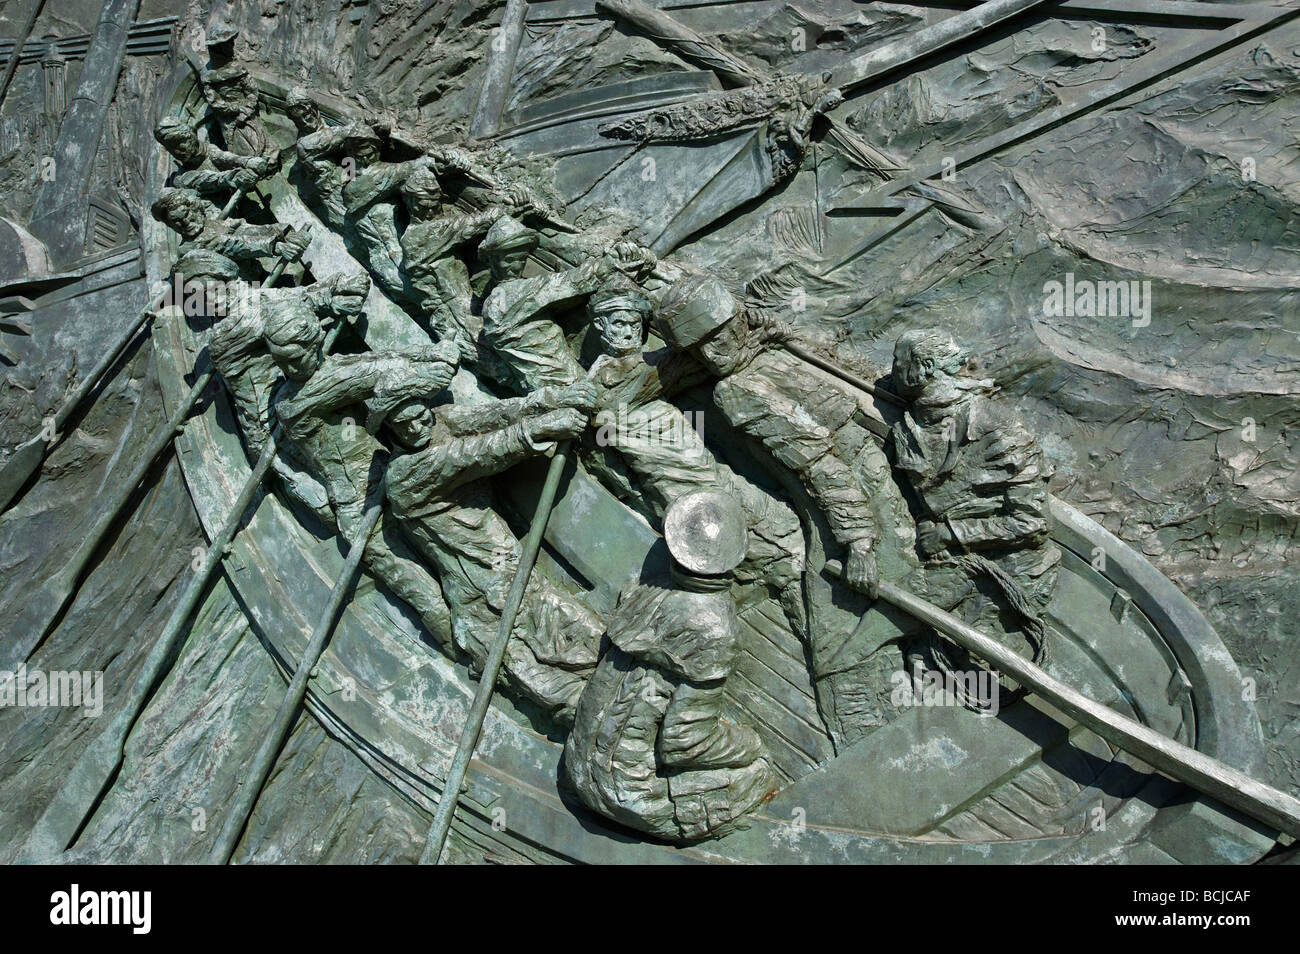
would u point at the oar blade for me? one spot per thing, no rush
(64, 816)
(18, 469)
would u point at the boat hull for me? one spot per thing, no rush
(926, 788)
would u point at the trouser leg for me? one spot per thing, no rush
(387, 558)
(377, 227)
(694, 735)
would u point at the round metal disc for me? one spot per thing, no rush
(705, 532)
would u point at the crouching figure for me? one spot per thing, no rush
(651, 747)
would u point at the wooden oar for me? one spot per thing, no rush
(849, 377)
(88, 778)
(86, 781)
(44, 606)
(27, 458)
(875, 64)
(260, 769)
(1234, 788)
(12, 66)
(442, 817)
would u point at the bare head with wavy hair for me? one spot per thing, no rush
(921, 356)
(294, 337)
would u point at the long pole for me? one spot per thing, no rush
(43, 608)
(1180, 762)
(862, 384)
(28, 457)
(442, 817)
(1202, 772)
(88, 778)
(84, 784)
(500, 67)
(876, 63)
(251, 786)
(12, 65)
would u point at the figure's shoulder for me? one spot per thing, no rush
(988, 417)
(507, 294)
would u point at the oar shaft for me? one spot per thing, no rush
(492, 667)
(28, 458)
(260, 769)
(1183, 763)
(44, 608)
(84, 784)
(50, 599)
(115, 351)
(106, 361)
(849, 377)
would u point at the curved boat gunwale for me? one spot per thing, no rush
(413, 760)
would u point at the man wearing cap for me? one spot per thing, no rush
(439, 493)
(776, 400)
(234, 98)
(215, 297)
(205, 168)
(812, 429)
(518, 314)
(232, 95)
(352, 184)
(651, 747)
(196, 219)
(638, 431)
(320, 410)
(237, 345)
(435, 244)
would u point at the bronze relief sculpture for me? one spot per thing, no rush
(595, 488)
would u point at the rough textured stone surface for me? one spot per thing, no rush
(1144, 425)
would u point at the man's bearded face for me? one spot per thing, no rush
(305, 116)
(911, 372)
(189, 220)
(723, 350)
(620, 331)
(424, 204)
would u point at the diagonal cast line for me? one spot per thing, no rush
(1175, 61)
(1170, 64)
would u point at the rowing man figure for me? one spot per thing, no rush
(439, 492)
(232, 94)
(437, 241)
(979, 486)
(198, 222)
(640, 432)
(815, 435)
(776, 400)
(320, 411)
(343, 168)
(204, 167)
